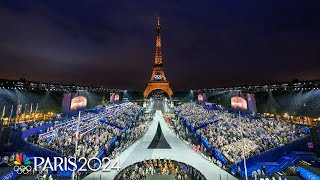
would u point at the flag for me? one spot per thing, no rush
(25, 109)
(77, 130)
(11, 111)
(3, 111)
(18, 112)
(19, 108)
(31, 108)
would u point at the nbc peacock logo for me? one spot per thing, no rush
(22, 164)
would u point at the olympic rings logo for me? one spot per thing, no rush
(22, 169)
(158, 76)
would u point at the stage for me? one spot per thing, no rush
(179, 151)
(160, 177)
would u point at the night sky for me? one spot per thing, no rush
(205, 43)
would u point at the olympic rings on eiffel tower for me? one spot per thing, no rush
(158, 76)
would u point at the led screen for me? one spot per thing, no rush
(78, 102)
(239, 103)
(117, 97)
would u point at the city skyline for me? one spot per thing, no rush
(205, 44)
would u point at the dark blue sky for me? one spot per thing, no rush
(205, 43)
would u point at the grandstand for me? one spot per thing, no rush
(271, 147)
(99, 131)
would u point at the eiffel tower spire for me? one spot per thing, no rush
(158, 79)
(158, 54)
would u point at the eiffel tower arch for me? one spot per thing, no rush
(158, 79)
(158, 86)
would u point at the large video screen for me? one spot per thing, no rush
(112, 96)
(116, 97)
(239, 103)
(78, 102)
(200, 97)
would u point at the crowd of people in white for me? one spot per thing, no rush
(123, 114)
(196, 114)
(95, 131)
(225, 135)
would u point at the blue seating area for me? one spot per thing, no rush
(92, 115)
(277, 159)
(279, 165)
(273, 160)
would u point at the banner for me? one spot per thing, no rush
(66, 102)
(307, 174)
(112, 97)
(252, 103)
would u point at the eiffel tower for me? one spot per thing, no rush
(158, 79)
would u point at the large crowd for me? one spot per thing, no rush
(178, 170)
(225, 131)
(134, 132)
(88, 145)
(196, 114)
(123, 114)
(225, 135)
(95, 131)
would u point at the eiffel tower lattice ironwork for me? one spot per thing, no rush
(158, 79)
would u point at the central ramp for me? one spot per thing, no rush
(159, 141)
(179, 151)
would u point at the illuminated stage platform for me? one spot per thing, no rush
(179, 151)
(160, 177)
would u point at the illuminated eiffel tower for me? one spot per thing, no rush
(158, 79)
